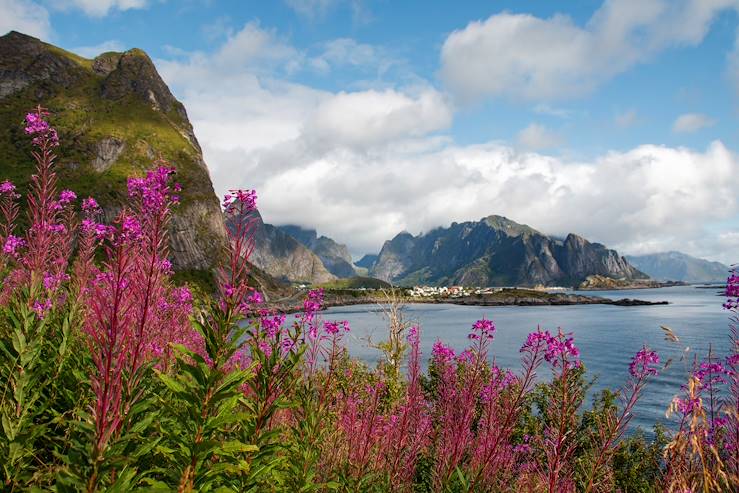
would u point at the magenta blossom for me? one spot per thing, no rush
(66, 197)
(255, 298)
(53, 281)
(36, 125)
(265, 348)
(642, 364)
(12, 245)
(247, 199)
(482, 329)
(334, 328)
(90, 206)
(732, 291)
(41, 308)
(442, 353)
(7, 187)
(711, 373)
(535, 340)
(561, 348)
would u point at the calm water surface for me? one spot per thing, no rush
(608, 336)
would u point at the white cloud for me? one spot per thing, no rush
(93, 51)
(25, 17)
(362, 166)
(346, 52)
(367, 118)
(692, 122)
(311, 8)
(545, 109)
(537, 136)
(101, 8)
(626, 119)
(523, 56)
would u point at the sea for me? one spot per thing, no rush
(608, 336)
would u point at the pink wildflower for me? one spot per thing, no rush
(12, 245)
(7, 187)
(442, 353)
(641, 364)
(246, 199)
(482, 329)
(41, 308)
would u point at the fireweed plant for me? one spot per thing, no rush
(112, 378)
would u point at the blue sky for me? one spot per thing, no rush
(616, 120)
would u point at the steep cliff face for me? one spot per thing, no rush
(395, 258)
(335, 256)
(115, 116)
(285, 258)
(495, 251)
(367, 261)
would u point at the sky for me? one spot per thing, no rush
(614, 119)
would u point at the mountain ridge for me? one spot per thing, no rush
(115, 117)
(335, 256)
(496, 251)
(678, 266)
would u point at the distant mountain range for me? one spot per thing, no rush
(284, 257)
(676, 266)
(335, 256)
(496, 251)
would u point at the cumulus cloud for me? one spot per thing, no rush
(524, 56)
(95, 50)
(26, 17)
(537, 136)
(692, 122)
(101, 8)
(361, 166)
(347, 52)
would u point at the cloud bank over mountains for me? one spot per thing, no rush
(364, 160)
(362, 165)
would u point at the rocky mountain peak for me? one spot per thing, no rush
(133, 73)
(505, 225)
(115, 116)
(334, 256)
(496, 251)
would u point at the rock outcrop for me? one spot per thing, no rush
(285, 258)
(115, 116)
(335, 256)
(496, 251)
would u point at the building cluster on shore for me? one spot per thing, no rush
(450, 291)
(465, 291)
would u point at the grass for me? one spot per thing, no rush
(356, 282)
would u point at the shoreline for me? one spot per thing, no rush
(510, 298)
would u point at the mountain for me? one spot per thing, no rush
(677, 266)
(115, 116)
(496, 251)
(367, 261)
(285, 258)
(335, 256)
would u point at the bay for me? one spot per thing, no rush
(608, 336)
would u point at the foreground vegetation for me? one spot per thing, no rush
(114, 379)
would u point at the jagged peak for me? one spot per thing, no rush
(20, 37)
(508, 226)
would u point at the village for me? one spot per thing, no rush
(465, 291)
